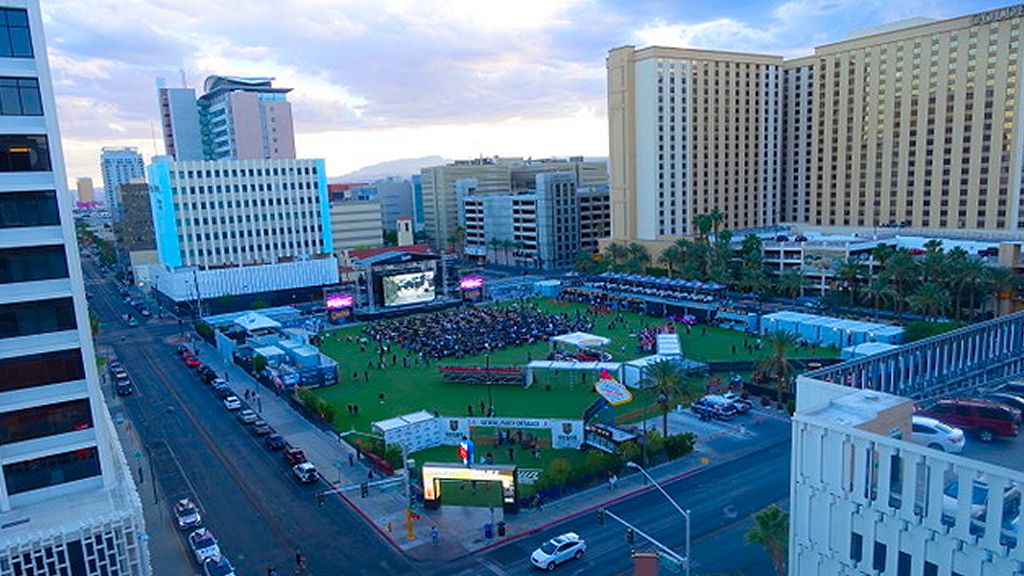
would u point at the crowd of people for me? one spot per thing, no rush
(474, 330)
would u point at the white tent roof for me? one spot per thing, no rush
(402, 421)
(574, 365)
(582, 339)
(256, 321)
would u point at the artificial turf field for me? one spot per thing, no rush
(421, 387)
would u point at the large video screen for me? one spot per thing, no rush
(402, 289)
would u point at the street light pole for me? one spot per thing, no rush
(685, 513)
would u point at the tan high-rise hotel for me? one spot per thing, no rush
(913, 125)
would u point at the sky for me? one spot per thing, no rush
(377, 80)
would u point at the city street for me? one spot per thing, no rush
(262, 516)
(721, 501)
(248, 495)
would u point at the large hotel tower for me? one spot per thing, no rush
(67, 502)
(918, 126)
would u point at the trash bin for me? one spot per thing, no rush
(501, 529)
(488, 530)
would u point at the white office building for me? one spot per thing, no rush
(67, 502)
(228, 226)
(119, 166)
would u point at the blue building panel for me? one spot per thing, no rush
(165, 225)
(325, 206)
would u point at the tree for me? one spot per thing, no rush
(878, 291)
(771, 530)
(670, 257)
(637, 258)
(791, 283)
(616, 253)
(588, 263)
(776, 364)
(1002, 283)
(929, 299)
(704, 225)
(717, 220)
(664, 376)
(751, 273)
(720, 258)
(849, 274)
(902, 275)
(259, 362)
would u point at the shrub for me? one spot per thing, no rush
(628, 451)
(205, 330)
(259, 363)
(791, 406)
(558, 472)
(680, 444)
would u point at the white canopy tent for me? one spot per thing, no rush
(254, 321)
(581, 340)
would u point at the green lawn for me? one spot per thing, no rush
(422, 388)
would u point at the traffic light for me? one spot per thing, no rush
(321, 499)
(364, 490)
(630, 536)
(600, 516)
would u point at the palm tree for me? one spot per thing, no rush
(1002, 283)
(878, 290)
(617, 253)
(901, 273)
(791, 283)
(771, 530)
(664, 376)
(717, 219)
(776, 365)
(849, 274)
(704, 225)
(493, 245)
(638, 257)
(669, 256)
(929, 299)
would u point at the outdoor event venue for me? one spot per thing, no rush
(396, 367)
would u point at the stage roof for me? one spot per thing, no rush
(581, 339)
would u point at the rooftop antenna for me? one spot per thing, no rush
(152, 134)
(184, 82)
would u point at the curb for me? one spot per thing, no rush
(615, 500)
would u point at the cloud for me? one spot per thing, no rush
(395, 68)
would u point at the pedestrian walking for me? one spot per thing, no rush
(351, 459)
(613, 481)
(435, 535)
(511, 454)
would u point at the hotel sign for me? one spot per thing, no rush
(997, 15)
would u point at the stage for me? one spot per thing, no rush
(384, 312)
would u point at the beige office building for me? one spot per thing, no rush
(912, 124)
(492, 176)
(86, 190)
(692, 131)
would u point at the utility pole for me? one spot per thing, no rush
(632, 531)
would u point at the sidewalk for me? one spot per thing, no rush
(166, 549)
(461, 528)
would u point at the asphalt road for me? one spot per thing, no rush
(250, 499)
(261, 515)
(721, 501)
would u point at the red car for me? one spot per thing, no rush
(985, 418)
(294, 456)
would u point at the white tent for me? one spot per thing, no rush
(255, 321)
(582, 340)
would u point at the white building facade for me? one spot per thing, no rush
(67, 502)
(119, 166)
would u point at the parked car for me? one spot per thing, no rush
(207, 374)
(558, 550)
(222, 390)
(741, 404)
(986, 419)
(934, 434)
(124, 386)
(294, 456)
(305, 472)
(232, 403)
(247, 416)
(144, 312)
(712, 406)
(274, 441)
(1008, 398)
(218, 567)
(204, 545)
(186, 513)
(182, 349)
(979, 501)
(261, 428)
(191, 361)
(218, 381)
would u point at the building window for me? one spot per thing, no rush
(878, 561)
(15, 40)
(49, 420)
(19, 209)
(41, 369)
(856, 547)
(20, 97)
(29, 264)
(24, 153)
(52, 470)
(27, 318)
